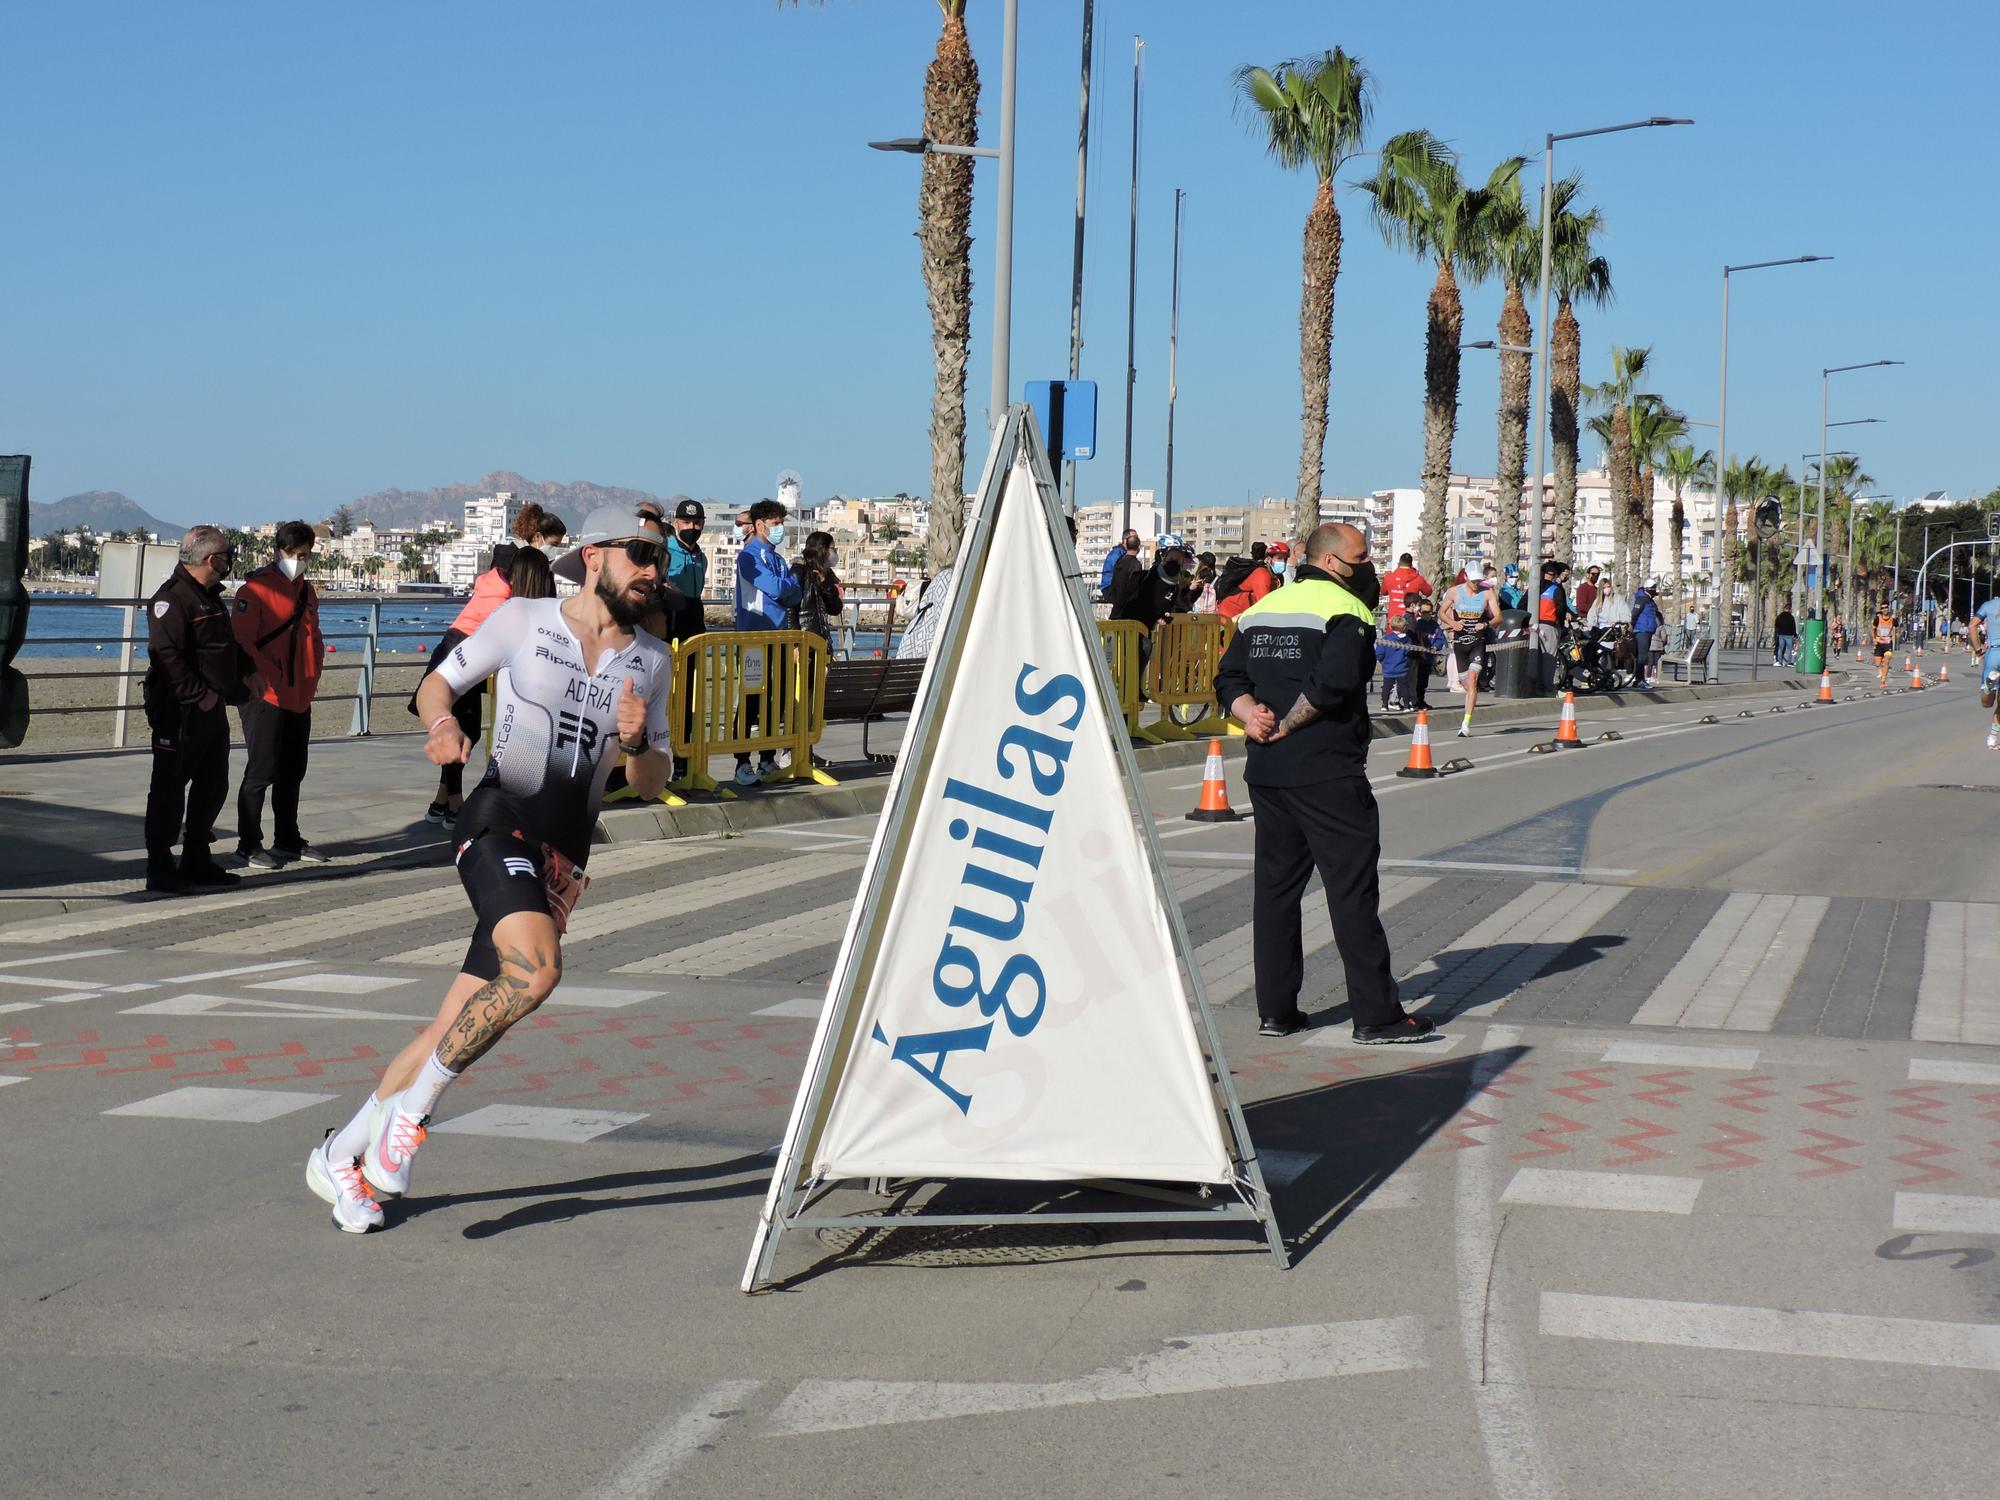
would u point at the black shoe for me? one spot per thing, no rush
(436, 813)
(1409, 1029)
(1287, 1026)
(258, 859)
(164, 878)
(305, 854)
(206, 872)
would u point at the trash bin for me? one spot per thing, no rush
(1515, 662)
(1812, 648)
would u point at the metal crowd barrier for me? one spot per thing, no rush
(749, 692)
(1122, 640)
(1181, 675)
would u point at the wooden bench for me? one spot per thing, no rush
(1697, 656)
(867, 690)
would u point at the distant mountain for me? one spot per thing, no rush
(402, 508)
(101, 510)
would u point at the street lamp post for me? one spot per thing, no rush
(1003, 213)
(1819, 532)
(1503, 348)
(1719, 609)
(1541, 417)
(1819, 526)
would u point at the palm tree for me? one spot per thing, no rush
(1311, 112)
(1517, 256)
(1655, 427)
(1578, 275)
(1616, 395)
(1845, 479)
(944, 237)
(1681, 467)
(1424, 206)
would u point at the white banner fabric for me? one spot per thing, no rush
(1025, 1016)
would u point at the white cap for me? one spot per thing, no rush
(608, 523)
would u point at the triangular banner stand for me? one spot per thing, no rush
(1016, 996)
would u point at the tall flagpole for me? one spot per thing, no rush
(1132, 290)
(1173, 359)
(1076, 254)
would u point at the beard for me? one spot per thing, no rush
(621, 604)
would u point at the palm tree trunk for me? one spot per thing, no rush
(1725, 577)
(1444, 325)
(1512, 471)
(1322, 268)
(1619, 472)
(1643, 557)
(1565, 389)
(944, 231)
(1680, 573)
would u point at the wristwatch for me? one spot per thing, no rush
(645, 743)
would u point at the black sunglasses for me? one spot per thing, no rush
(641, 551)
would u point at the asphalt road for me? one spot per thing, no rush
(1699, 1196)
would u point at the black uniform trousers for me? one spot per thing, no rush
(276, 741)
(1331, 826)
(190, 777)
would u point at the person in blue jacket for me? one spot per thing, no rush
(1645, 626)
(1128, 546)
(766, 588)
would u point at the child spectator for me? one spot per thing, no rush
(1427, 645)
(1393, 652)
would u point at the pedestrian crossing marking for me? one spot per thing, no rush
(602, 997)
(1631, 1192)
(1226, 961)
(530, 1122)
(231, 1106)
(1501, 952)
(1952, 1070)
(1666, 1055)
(1771, 1330)
(803, 1009)
(1958, 999)
(335, 984)
(1736, 974)
(1947, 1213)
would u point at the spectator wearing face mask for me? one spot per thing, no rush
(1151, 596)
(1244, 581)
(1127, 547)
(687, 569)
(766, 592)
(275, 617)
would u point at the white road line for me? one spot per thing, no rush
(805, 1008)
(531, 1122)
(602, 998)
(335, 984)
(744, 948)
(261, 935)
(1505, 950)
(1947, 1213)
(208, 974)
(1409, 1054)
(1480, 867)
(1735, 975)
(1192, 1364)
(1666, 1055)
(233, 1106)
(1771, 1330)
(1634, 1192)
(1502, 1399)
(648, 1467)
(1956, 997)
(7, 1078)
(251, 1007)
(125, 917)
(1952, 1070)
(53, 958)
(39, 982)
(1225, 962)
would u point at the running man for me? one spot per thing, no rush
(1885, 642)
(1469, 615)
(1985, 639)
(575, 684)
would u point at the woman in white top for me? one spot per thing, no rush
(1468, 614)
(1609, 608)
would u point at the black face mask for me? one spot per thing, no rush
(1362, 583)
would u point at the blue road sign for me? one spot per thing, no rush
(1067, 411)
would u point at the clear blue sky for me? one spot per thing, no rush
(262, 259)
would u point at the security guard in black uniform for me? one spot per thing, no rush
(1296, 676)
(194, 668)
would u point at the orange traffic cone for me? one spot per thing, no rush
(1908, 664)
(1916, 679)
(1566, 735)
(1420, 748)
(1214, 805)
(1944, 669)
(1826, 687)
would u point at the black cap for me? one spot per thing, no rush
(690, 510)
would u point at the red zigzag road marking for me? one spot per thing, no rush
(1455, 1137)
(1595, 1079)
(1561, 1125)
(1836, 1095)
(1668, 1088)
(1732, 1137)
(1748, 1092)
(1923, 1101)
(1922, 1159)
(1819, 1153)
(1643, 1131)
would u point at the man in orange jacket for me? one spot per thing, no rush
(276, 619)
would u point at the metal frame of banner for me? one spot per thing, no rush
(789, 1200)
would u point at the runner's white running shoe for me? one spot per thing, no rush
(393, 1138)
(1993, 738)
(340, 1183)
